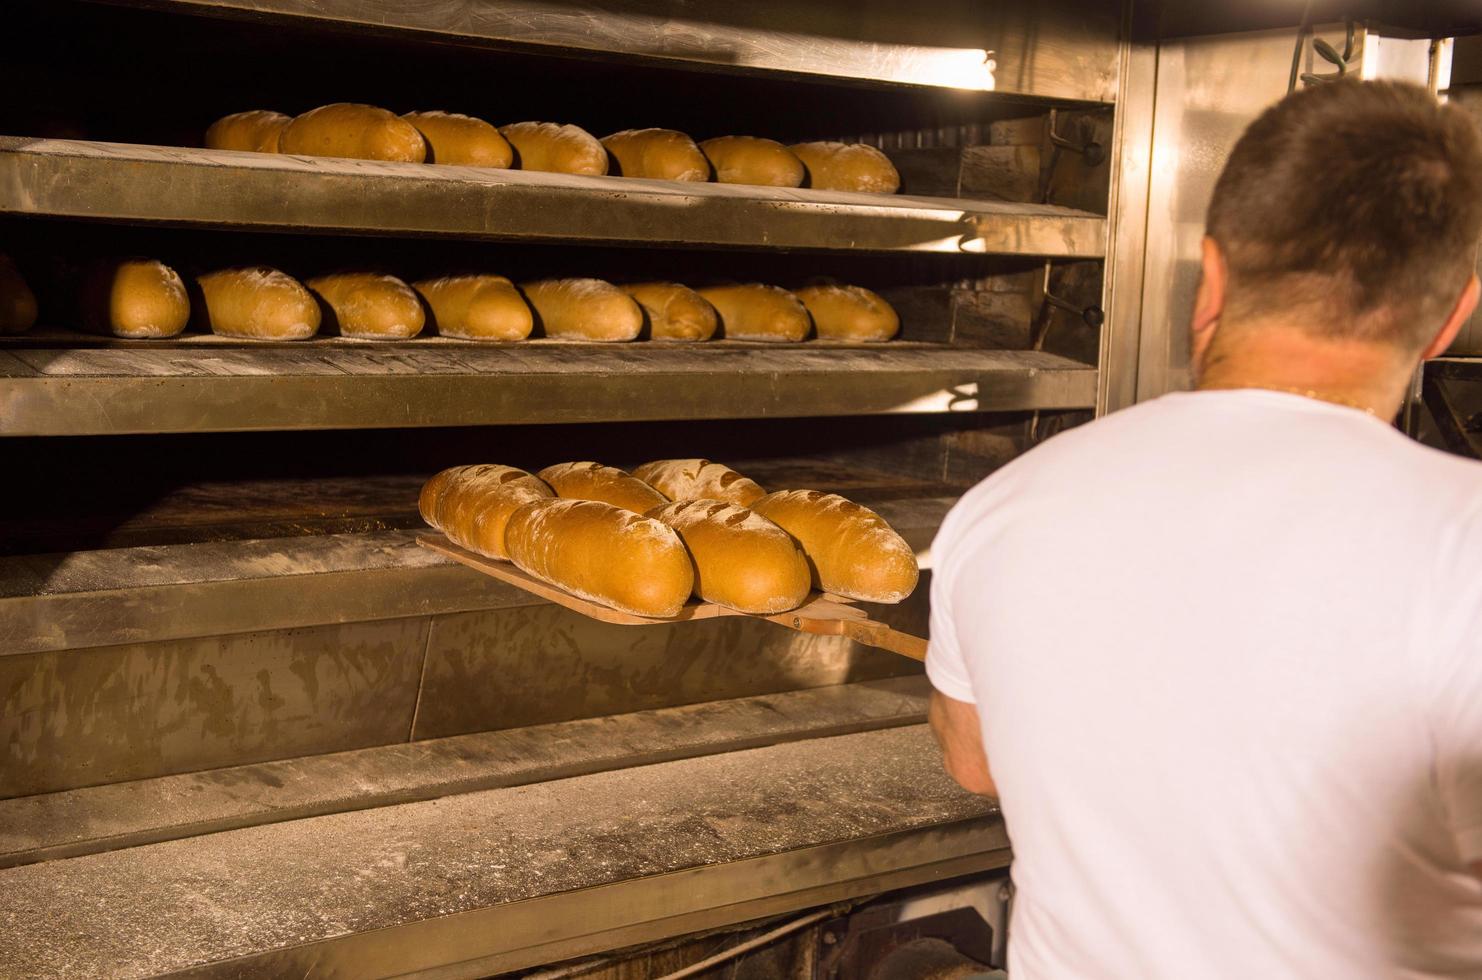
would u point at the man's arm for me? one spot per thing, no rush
(955, 724)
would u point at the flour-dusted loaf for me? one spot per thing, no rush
(593, 481)
(465, 141)
(852, 550)
(583, 309)
(256, 130)
(658, 154)
(753, 160)
(699, 479)
(556, 148)
(848, 167)
(360, 132)
(753, 311)
(17, 302)
(674, 312)
(472, 504)
(257, 303)
(849, 313)
(604, 554)
(742, 560)
(477, 307)
(134, 298)
(370, 305)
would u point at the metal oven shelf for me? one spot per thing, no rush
(337, 384)
(152, 593)
(214, 188)
(1066, 49)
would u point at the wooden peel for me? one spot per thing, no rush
(822, 614)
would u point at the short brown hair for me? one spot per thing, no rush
(1356, 206)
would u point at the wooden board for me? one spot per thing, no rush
(822, 614)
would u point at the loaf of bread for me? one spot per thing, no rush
(370, 305)
(848, 167)
(674, 312)
(256, 130)
(659, 154)
(583, 309)
(753, 311)
(461, 140)
(477, 307)
(593, 481)
(17, 302)
(742, 560)
(257, 303)
(135, 298)
(753, 160)
(602, 553)
(472, 504)
(556, 148)
(849, 313)
(851, 550)
(699, 479)
(360, 132)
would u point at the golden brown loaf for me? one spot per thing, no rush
(753, 160)
(370, 305)
(556, 148)
(593, 481)
(753, 311)
(848, 167)
(456, 139)
(360, 132)
(583, 309)
(258, 303)
(851, 550)
(742, 560)
(674, 312)
(477, 307)
(17, 302)
(849, 313)
(602, 553)
(136, 298)
(256, 130)
(659, 154)
(472, 504)
(699, 479)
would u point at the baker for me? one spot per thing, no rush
(1220, 655)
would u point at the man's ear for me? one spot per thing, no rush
(1209, 301)
(1460, 313)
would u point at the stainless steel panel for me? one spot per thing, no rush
(175, 388)
(84, 717)
(1132, 145)
(539, 664)
(216, 188)
(481, 882)
(145, 811)
(1062, 49)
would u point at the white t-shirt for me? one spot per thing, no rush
(1227, 652)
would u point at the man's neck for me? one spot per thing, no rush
(1367, 376)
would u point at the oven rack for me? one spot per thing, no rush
(125, 182)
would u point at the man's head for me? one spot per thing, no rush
(1349, 212)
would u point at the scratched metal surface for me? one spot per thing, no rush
(538, 664)
(104, 818)
(181, 904)
(84, 717)
(1058, 48)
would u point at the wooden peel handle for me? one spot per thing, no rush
(866, 631)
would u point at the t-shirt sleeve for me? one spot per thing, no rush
(946, 667)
